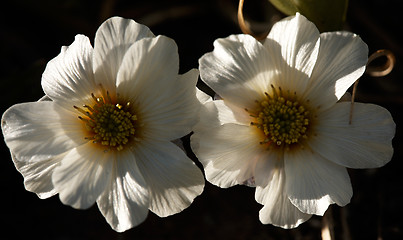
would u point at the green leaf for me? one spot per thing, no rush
(328, 15)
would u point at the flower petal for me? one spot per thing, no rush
(173, 180)
(202, 97)
(38, 175)
(40, 131)
(113, 38)
(225, 112)
(68, 78)
(278, 210)
(313, 183)
(267, 166)
(228, 153)
(239, 70)
(341, 61)
(176, 112)
(366, 143)
(166, 102)
(149, 67)
(296, 39)
(125, 201)
(82, 175)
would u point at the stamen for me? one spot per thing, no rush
(82, 111)
(110, 125)
(89, 108)
(108, 97)
(282, 119)
(93, 97)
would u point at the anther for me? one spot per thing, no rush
(81, 111)
(108, 97)
(284, 121)
(110, 124)
(89, 108)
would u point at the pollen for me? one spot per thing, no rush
(283, 120)
(108, 124)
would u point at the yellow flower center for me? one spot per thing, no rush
(110, 125)
(282, 118)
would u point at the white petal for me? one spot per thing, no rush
(68, 78)
(278, 210)
(341, 61)
(175, 113)
(40, 130)
(210, 116)
(166, 102)
(83, 174)
(366, 143)
(172, 178)
(150, 66)
(229, 113)
(267, 166)
(38, 175)
(313, 183)
(239, 70)
(125, 201)
(293, 43)
(202, 97)
(228, 153)
(112, 40)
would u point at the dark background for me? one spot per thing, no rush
(32, 33)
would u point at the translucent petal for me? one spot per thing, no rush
(38, 175)
(125, 201)
(40, 131)
(293, 45)
(341, 61)
(366, 143)
(112, 40)
(267, 166)
(239, 70)
(175, 112)
(83, 174)
(202, 97)
(68, 78)
(165, 101)
(172, 178)
(278, 210)
(228, 153)
(313, 183)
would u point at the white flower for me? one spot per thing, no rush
(106, 135)
(280, 123)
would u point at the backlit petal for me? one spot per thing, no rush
(172, 178)
(293, 45)
(366, 143)
(112, 40)
(82, 175)
(266, 166)
(125, 201)
(277, 209)
(68, 78)
(313, 183)
(40, 130)
(176, 111)
(341, 61)
(239, 69)
(166, 102)
(228, 153)
(38, 175)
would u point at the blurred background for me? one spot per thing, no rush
(32, 33)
